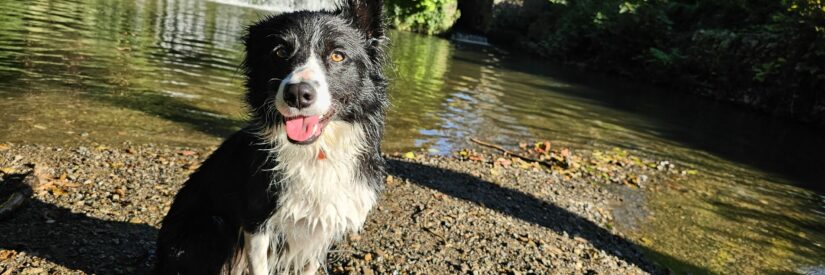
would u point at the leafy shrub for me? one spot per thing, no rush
(424, 16)
(764, 53)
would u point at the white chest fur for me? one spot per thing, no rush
(321, 199)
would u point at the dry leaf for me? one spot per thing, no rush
(7, 254)
(409, 155)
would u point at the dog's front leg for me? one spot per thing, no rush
(256, 246)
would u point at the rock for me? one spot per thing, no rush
(33, 271)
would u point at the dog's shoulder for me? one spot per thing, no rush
(237, 166)
(239, 153)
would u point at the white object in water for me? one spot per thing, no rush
(281, 6)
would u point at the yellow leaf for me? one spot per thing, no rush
(409, 155)
(57, 191)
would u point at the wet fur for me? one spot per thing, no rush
(260, 204)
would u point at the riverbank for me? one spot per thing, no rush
(96, 209)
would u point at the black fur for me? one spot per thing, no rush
(232, 190)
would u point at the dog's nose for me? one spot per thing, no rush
(299, 95)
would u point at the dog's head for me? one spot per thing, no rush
(305, 69)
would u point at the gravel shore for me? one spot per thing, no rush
(97, 209)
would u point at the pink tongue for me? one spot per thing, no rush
(301, 128)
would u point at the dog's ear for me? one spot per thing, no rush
(367, 16)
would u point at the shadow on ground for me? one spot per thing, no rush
(77, 241)
(527, 208)
(93, 245)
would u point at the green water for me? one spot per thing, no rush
(166, 71)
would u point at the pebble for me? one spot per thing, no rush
(438, 215)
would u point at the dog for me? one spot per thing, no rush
(276, 195)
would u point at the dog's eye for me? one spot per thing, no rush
(337, 56)
(281, 52)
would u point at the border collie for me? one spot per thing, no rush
(275, 196)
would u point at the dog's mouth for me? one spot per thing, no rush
(306, 129)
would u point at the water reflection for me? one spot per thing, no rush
(147, 63)
(416, 88)
(166, 71)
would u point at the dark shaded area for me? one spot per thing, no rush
(176, 110)
(529, 209)
(77, 241)
(475, 16)
(13, 194)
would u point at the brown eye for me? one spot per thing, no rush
(337, 56)
(281, 52)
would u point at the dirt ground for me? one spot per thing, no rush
(97, 209)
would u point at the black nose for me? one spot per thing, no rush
(299, 95)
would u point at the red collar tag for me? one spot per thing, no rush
(321, 155)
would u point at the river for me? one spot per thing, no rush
(167, 71)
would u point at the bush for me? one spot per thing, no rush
(764, 53)
(427, 16)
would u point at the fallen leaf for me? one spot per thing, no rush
(476, 158)
(57, 191)
(409, 155)
(646, 241)
(7, 254)
(542, 147)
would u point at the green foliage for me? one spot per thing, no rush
(427, 16)
(765, 53)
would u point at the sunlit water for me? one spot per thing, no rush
(166, 71)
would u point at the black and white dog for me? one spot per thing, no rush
(275, 196)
